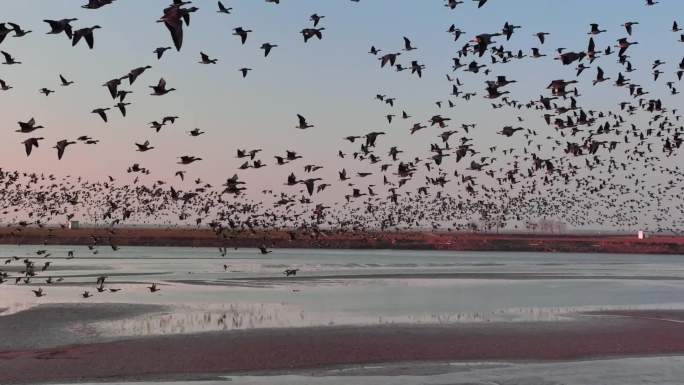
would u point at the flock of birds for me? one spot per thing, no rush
(609, 168)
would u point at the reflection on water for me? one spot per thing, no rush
(253, 316)
(212, 318)
(193, 319)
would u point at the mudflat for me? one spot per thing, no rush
(595, 335)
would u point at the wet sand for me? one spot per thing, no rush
(48, 326)
(600, 335)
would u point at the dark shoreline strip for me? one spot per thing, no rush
(520, 242)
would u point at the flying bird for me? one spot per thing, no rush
(87, 34)
(61, 146)
(65, 83)
(302, 123)
(160, 89)
(101, 112)
(223, 9)
(239, 31)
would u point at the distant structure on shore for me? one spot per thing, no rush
(73, 225)
(547, 226)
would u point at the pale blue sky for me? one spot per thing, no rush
(332, 82)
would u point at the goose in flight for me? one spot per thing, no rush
(451, 4)
(264, 250)
(244, 71)
(30, 143)
(95, 4)
(595, 29)
(121, 94)
(173, 20)
(541, 36)
(239, 31)
(621, 80)
(196, 132)
(390, 58)
(156, 125)
(267, 47)
(87, 34)
(623, 44)
(30, 126)
(628, 26)
(308, 33)
(509, 29)
(113, 87)
(599, 76)
(46, 91)
(4, 31)
(303, 125)
(417, 68)
(223, 9)
(134, 73)
(580, 68)
(568, 58)
(187, 159)
(169, 119)
(61, 146)
(65, 83)
(536, 54)
(407, 45)
(59, 26)
(309, 183)
(101, 112)
(18, 31)
(160, 88)
(290, 272)
(251, 153)
(144, 146)
(39, 293)
(4, 86)
(100, 286)
(508, 131)
(312, 168)
(316, 18)
(9, 60)
(417, 127)
(153, 288)
(482, 41)
(160, 51)
(439, 120)
(206, 60)
(474, 67)
(372, 137)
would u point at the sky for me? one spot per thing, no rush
(332, 82)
